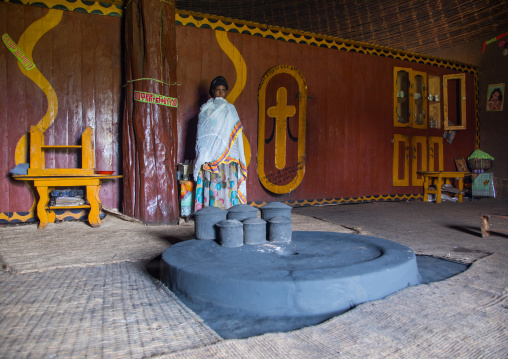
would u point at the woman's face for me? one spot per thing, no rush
(219, 91)
(495, 96)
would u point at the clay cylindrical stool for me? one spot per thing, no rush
(254, 231)
(230, 233)
(205, 221)
(274, 209)
(242, 211)
(279, 229)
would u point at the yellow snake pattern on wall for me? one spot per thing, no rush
(241, 78)
(26, 43)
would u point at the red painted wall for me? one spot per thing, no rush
(349, 107)
(349, 114)
(81, 59)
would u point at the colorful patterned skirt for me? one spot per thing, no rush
(217, 189)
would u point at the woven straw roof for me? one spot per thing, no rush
(419, 26)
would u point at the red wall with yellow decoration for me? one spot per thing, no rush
(350, 131)
(349, 111)
(80, 57)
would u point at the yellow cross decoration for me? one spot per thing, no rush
(286, 177)
(281, 112)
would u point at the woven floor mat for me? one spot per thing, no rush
(107, 311)
(446, 230)
(307, 223)
(26, 248)
(463, 317)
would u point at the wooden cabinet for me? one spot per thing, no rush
(413, 154)
(417, 99)
(409, 98)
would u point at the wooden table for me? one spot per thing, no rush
(44, 184)
(438, 178)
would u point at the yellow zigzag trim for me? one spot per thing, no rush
(253, 28)
(280, 33)
(199, 20)
(22, 218)
(335, 201)
(97, 8)
(15, 216)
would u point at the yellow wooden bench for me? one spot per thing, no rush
(436, 179)
(46, 179)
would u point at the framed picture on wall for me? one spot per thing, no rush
(461, 165)
(495, 97)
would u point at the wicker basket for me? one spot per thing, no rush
(480, 164)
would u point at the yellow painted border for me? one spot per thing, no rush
(190, 18)
(105, 7)
(347, 200)
(30, 217)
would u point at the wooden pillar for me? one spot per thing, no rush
(149, 138)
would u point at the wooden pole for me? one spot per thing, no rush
(149, 138)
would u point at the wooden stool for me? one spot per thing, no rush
(486, 225)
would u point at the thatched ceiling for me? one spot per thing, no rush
(419, 26)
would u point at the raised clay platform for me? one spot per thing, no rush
(318, 275)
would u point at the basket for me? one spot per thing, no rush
(480, 164)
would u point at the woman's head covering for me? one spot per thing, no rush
(218, 81)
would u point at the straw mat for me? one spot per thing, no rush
(25, 249)
(115, 309)
(463, 317)
(108, 311)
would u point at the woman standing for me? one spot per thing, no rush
(220, 169)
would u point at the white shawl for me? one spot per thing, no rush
(220, 141)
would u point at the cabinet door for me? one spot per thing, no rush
(401, 95)
(419, 96)
(410, 98)
(434, 101)
(454, 102)
(435, 153)
(424, 153)
(419, 159)
(400, 160)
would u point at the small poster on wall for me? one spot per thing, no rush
(495, 96)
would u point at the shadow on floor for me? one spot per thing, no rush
(474, 231)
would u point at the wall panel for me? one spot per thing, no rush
(349, 108)
(81, 59)
(349, 114)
